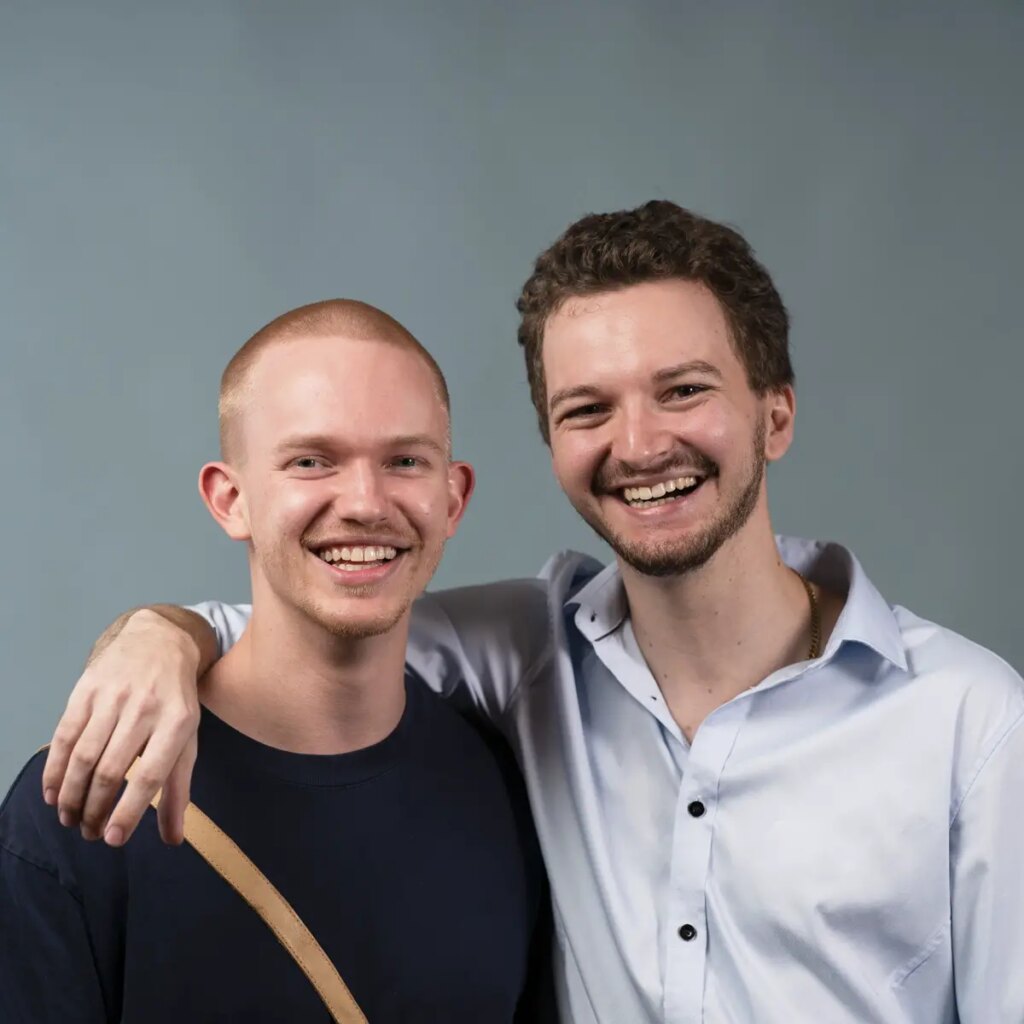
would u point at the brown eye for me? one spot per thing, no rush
(584, 410)
(687, 390)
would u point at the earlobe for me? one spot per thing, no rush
(461, 481)
(222, 495)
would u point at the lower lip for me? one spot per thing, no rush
(354, 577)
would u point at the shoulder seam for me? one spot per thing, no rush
(45, 869)
(1000, 740)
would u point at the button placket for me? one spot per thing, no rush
(686, 954)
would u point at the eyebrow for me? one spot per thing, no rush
(668, 373)
(417, 441)
(681, 369)
(302, 442)
(580, 391)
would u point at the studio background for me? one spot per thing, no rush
(172, 176)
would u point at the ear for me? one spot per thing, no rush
(461, 481)
(222, 494)
(780, 412)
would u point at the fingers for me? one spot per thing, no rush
(169, 744)
(82, 761)
(175, 797)
(69, 729)
(129, 737)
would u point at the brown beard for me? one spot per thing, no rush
(675, 559)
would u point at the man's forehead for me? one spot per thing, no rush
(359, 387)
(643, 328)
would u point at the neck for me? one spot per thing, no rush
(709, 634)
(291, 684)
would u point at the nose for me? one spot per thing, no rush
(641, 436)
(360, 496)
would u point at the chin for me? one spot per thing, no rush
(665, 561)
(359, 623)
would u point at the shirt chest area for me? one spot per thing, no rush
(413, 932)
(810, 811)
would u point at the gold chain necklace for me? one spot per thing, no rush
(812, 600)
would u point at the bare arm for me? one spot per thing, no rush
(136, 698)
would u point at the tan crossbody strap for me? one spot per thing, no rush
(225, 857)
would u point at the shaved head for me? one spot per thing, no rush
(344, 319)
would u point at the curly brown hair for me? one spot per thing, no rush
(607, 251)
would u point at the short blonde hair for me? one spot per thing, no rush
(342, 318)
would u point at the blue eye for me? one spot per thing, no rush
(307, 462)
(407, 462)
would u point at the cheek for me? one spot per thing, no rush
(714, 431)
(574, 457)
(425, 507)
(289, 507)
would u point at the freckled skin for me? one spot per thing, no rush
(634, 426)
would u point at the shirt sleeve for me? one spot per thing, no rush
(479, 644)
(229, 621)
(987, 877)
(475, 645)
(48, 973)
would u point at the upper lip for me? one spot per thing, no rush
(662, 478)
(358, 542)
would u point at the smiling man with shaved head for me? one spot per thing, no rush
(381, 820)
(764, 794)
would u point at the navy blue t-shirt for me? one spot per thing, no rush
(413, 862)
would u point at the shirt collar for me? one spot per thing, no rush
(866, 618)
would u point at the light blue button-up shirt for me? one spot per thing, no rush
(842, 843)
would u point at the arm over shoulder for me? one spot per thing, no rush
(229, 621)
(480, 644)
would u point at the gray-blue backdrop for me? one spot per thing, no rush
(175, 174)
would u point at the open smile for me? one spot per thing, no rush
(359, 563)
(664, 492)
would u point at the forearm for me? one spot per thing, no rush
(193, 632)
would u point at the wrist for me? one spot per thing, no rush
(155, 628)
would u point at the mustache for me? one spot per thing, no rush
(372, 535)
(614, 474)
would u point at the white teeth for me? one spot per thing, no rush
(358, 555)
(650, 496)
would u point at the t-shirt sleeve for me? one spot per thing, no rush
(229, 621)
(479, 644)
(47, 969)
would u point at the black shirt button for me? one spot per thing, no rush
(696, 809)
(687, 932)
